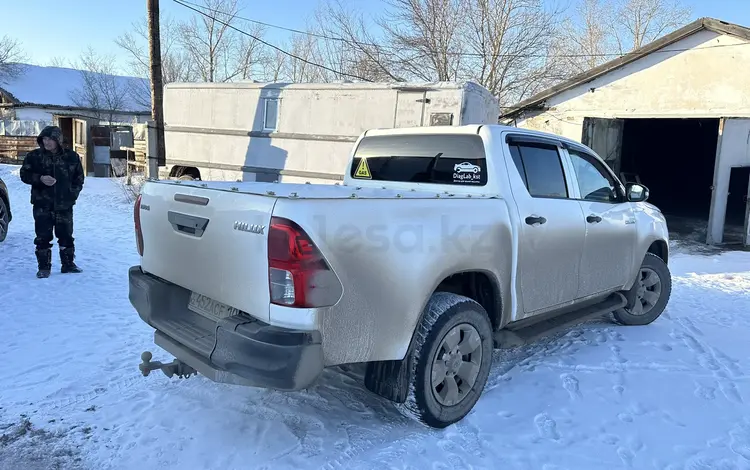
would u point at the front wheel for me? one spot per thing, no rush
(451, 361)
(650, 294)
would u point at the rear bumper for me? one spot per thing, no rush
(238, 350)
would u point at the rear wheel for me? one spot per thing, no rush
(451, 362)
(650, 294)
(4, 220)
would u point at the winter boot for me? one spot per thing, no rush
(67, 255)
(44, 259)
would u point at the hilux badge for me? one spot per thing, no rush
(252, 228)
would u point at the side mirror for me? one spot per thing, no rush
(636, 192)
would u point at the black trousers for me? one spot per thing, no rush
(49, 221)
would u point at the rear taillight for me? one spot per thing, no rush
(295, 266)
(137, 220)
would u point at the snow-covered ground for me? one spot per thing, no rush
(672, 395)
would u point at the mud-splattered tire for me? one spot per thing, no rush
(649, 296)
(451, 361)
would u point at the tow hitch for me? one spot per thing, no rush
(176, 367)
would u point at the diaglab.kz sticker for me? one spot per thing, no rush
(466, 172)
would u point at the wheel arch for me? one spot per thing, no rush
(656, 246)
(390, 379)
(481, 286)
(659, 248)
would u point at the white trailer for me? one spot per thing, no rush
(268, 132)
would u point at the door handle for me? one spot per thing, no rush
(535, 220)
(593, 219)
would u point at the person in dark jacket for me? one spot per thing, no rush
(56, 178)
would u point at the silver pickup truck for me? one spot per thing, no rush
(441, 244)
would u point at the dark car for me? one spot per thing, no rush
(5, 214)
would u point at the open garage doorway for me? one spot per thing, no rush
(738, 207)
(674, 158)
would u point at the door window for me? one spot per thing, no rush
(541, 169)
(594, 183)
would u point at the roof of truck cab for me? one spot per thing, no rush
(327, 191)
(467, 129)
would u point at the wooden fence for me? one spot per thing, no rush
(14, 148)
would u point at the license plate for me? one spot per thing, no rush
(210, 308)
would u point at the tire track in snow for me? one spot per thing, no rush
(400, 442)
(527, 359)
(123, 385)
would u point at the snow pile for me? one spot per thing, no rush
(672, 395)
(23, 445)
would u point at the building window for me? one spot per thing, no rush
(271, 114)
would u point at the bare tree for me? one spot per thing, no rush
(509, 43)
(100, 90)
(348, 44)
(505, 45)
(58, 62)
(601, 30)
(634, 23)
(299, 67)
(11, 55)
(207, 47)
(431, 31)
(176, 65)
(584, 39)
(205, 38)
(273, 66)
(296, 70)
(217, 50)
(244, 55)
(313, 56)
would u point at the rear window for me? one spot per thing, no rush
(457, 159)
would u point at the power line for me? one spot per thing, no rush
(450, 53)
(297, 31)
(344, 74)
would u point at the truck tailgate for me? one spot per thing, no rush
(211, 242)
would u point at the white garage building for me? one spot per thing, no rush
(674, 115)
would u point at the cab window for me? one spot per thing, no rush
(594, 182)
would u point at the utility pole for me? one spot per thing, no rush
(157, 90)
